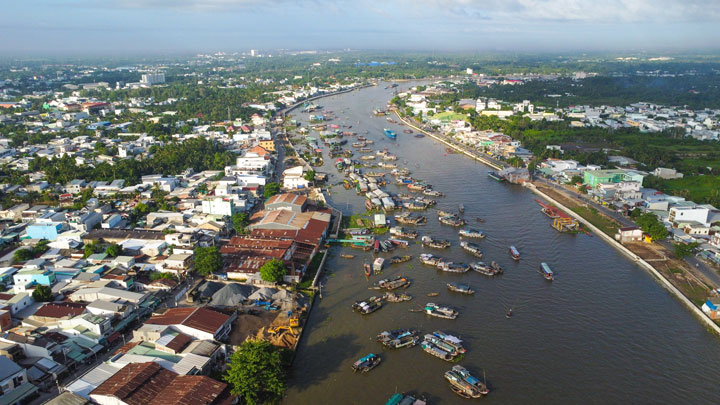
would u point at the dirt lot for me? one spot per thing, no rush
(246, 325)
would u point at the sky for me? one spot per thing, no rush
(186, 26)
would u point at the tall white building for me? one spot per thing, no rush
(252, 52)
(153, 78)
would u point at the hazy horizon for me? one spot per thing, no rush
(84, 27)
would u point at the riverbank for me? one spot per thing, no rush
(674, 275)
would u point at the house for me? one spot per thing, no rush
(293, 178)
(629, 234)
(712, 307)
(199, 322)
(14, 385)
(689, 214)
(151, 384)
(177, 263)
(287, 201)
(44, 230)
(219, 206)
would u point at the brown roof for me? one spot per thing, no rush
(60, 309)
(4, 296)
(150, 383)
(287, 198)
(202, 318)
(179, 342)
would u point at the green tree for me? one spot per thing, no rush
(309, 175)
(207, 260)
(91, 248)
(42, 293)
(23, 255)
(683, 250)
(256, 373)
(114, 250)
(240, 221)
(273, 271)
(650, 224)
(576, 179)
(271, 189)
(156, 275)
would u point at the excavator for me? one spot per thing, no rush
(276, 330)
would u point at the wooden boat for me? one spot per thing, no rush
(464, 384)
(453, 341)
(433, 243)
(394, 284)
(509, 314)
(366, 363)
(546, 271)
(400, 259)
(472, 248)
(430, 348)
(347, 256)
(427, 258)
(397, 339)
(440, 311)
(433, 294)
(367, 269)
(392, 297)
(488, 270)
(471, 233)
(368, 306)
(452, 267)
(460, 288)
(403, 233)
(452, 220)
(514, 253)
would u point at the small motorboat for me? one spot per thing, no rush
(509, 314)
(366, 363)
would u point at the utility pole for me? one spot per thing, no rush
(229, 120)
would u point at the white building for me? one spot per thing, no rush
(689, 214)
(153, 78)
(294, 178)
(219, 206)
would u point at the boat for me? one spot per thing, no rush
(472, 248)
(366, 363)
(397, 339)
(378, 264)
(390, 133)
(408, 131)
(433, 294)
(435, 243)
(419, 135)
(452, 220)
(399, 242)
(479, 219)
(433, 193)
(442, 345)
(514, 253)
(460, 378)
(452, 267)
(461, 208)
(404, 399)
(436, 351)
(509, 314)
(378, 112)
(368, 306)
(495, 176)
(488, 270)
(440, 311)
(393, 284)
(392, 297)
(546, 271)
(451, 340)
(460, 288)
(416, 186)
(368, 270)
(429, 259)
(400, 259)
(411, 219)
(471, 233)
(346, 256)
(442, 213)
(402, 232)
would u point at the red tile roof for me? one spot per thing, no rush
(60, 310)
(202, 318)
(179, 342)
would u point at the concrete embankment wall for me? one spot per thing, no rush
(479, 158)
(637, 259)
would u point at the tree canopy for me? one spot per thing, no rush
(271, 189)
(42, 293)
(114, 250)
(650, 224)
(273, 271)
(256, 373)
(208, 260)
(240, 221)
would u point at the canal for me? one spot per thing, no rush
(603, 332)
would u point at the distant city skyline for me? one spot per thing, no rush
(179, 26)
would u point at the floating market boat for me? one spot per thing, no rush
(416, 186)
(460, 288)
(452, 267)
(471, 233)
(396, 339)
(461, 208)
(403, 399)
(367, 269)
(433, 193)
(411, 219)
(346, 256)
(452, 220)
(366, 363)
(442, 213)
(433, 294)
(378, 264)
(435, 243)
(436, 351)
(419, 135)
(392, 297)
(427, 258)
(403, 233)
(400, 259)
(399, 242)
(464, 384)
(368, 306)
(514, 253)
(454, 341)
(488, 270)
(394, 284)
(546, 271)
(440, 311)
(408, 131)
(390, 133)
(472, 248)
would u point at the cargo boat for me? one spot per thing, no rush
(402, 232)
(427, 258)
(402, 399)
(433, 243)
(366, 363)
(472, 248)
(495, 176)
(452, 220)
(464, 384)
(436, 351)
(488, 270)
(390, 133)
(451, 340)
(460, 288)
(440, 311)
(452, 267)
(397, 339)
(392, 297)
(393, 284)
(407, 218)
(368, 306)
(378, 264)
(433, 193)
(514, 253)
(471, 233)
(400, 259)
(546, 271)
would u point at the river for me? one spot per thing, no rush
(603, 332)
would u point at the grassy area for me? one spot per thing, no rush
(701, 189)
(606, 225)
(311, 271)
(449, 116)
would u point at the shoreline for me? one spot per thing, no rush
(664, 282)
